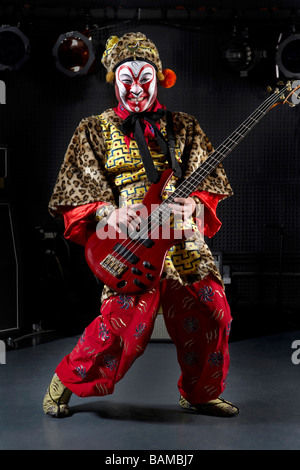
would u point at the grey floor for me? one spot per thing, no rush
(143, 413)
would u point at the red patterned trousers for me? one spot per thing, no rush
(198, 321)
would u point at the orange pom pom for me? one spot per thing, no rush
(169, 78)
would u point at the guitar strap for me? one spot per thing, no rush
(133, 124)
(173, 162)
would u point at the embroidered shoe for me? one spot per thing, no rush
(218, 407)
(55, 403)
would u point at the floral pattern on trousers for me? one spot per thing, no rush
(198, 321)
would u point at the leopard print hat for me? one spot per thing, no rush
(134, 46)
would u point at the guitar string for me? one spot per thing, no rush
(207, 166)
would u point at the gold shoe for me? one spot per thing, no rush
(217, 407)
(56, 400)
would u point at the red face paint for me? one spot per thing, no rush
(136, 85)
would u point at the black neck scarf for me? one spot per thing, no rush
(133, 124)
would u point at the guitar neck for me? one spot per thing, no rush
(217, 156)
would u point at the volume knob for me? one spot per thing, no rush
(147, 264)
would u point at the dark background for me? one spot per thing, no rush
(259, 239)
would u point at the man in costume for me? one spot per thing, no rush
(110, 164)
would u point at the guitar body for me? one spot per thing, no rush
(132, 265)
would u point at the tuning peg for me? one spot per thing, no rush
(280, 82)
(269, 89)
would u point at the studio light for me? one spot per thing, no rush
(288, 56)
(14, 48)
(73, 53)
(241, 55)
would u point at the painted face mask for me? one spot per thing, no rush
(136, 85)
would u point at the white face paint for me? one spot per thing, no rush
(136, 85)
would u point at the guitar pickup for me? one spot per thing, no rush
(127, 254)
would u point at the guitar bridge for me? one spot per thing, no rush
(113, 265)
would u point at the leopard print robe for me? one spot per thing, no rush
(87, 177)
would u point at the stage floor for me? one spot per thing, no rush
(143, 412)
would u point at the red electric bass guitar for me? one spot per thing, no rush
(133, 263)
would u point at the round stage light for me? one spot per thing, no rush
(73, 53)
(241, 55)
(288, 56)
(14, 48)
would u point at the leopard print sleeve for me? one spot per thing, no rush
(81, 179)
(196, 149)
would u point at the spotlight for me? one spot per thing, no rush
(14, 48)
(241, 54)
(73, 53)
(288, 56)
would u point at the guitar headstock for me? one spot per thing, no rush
(288, 93)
